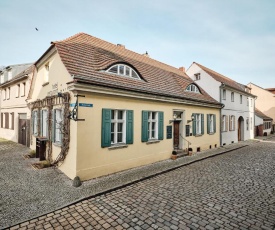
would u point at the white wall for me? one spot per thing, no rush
(209, 84)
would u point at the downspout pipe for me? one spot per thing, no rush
(221, 87)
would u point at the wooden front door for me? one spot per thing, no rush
(176, 134)
(23, 132)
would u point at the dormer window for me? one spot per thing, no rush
(193, 88)
(123, 70)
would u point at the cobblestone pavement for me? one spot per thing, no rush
(235, 190)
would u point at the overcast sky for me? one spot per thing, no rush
(233, 37)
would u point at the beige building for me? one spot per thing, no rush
(15, 115)
(265, 100)
(99, 108)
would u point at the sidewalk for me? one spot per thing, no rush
(68, 195)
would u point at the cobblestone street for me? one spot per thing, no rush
(235, 190)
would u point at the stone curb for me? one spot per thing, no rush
(170, 166)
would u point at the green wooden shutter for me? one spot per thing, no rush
(129, 127)
(144, 129)
(53, 126)
(208, 123)
(214, 122)
(194, 124)
(202, 124)
(106, 128)
(160, 126)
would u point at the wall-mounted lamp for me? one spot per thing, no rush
(174, 117)
(192, 119)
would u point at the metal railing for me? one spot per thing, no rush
(188, 143)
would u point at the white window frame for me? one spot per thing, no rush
(10, 120)
(192, 88)
(58, 125)
(47, 70)
(224, 94)
(9, 75)
(223, 123)
(232, 123)
(211, 123)
(17, 90)
(4, 94)
(35, 122)
(232, 96)
(44, 123)
(198, 123)
(153, 125)
(115, 121)
(8, 93)
(124, 73)
(197, 76)
(23, 89)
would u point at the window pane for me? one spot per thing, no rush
(154, 114)
(120, 127)
(120, 115)
(119, 137)
(112, 127)
(153, 134)
(121, 69)
(134, 74)
(153, 125)
(113, 69)
(127, 71)
(112, 114)
(112, 138)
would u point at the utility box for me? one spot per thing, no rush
(41, 148)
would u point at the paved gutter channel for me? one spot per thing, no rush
(106, 184)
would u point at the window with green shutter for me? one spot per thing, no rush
(117, 127)
(152, 125)
(198, 124)
(211, 123)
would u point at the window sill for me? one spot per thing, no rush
(118, 146)
(46, 83)
(57, 144)
(152, 142)
(22, 95)
(211, 133)
(198, 135)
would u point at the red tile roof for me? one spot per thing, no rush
(262, 115)
(87, 57)
(221, 78)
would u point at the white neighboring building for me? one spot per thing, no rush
(237, 115)
(15, 115)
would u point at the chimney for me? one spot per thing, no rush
(146, 54)
(182, 69)
(121, 45)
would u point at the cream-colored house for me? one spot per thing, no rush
(15, 115)
(265, 100)
(99, 108)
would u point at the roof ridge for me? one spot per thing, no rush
(217, 73)
(139, 57)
